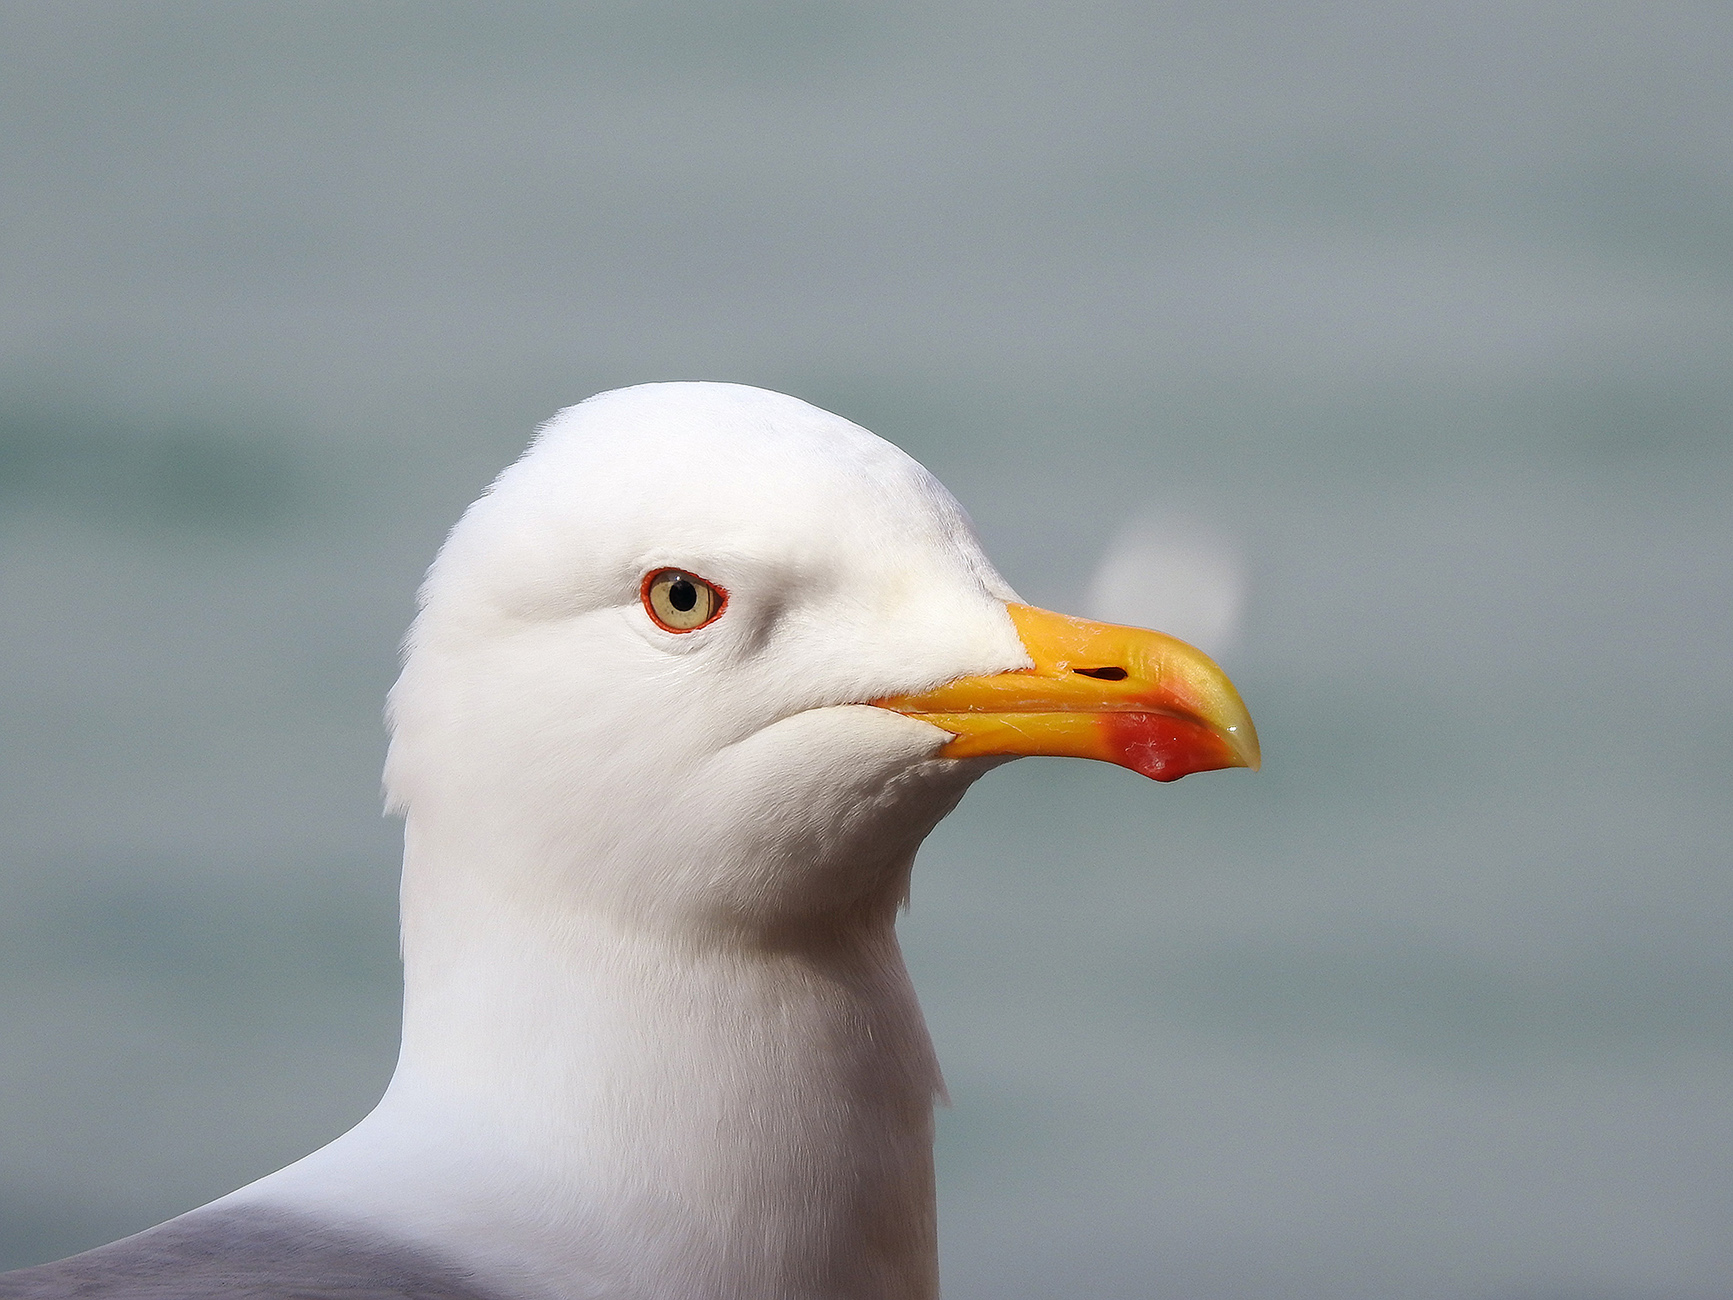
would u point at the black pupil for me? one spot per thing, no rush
(682, 595)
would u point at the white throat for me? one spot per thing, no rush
(598, 1108)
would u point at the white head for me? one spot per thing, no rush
(725, 780)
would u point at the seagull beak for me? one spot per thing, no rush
(1121, 694)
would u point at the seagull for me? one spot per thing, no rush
(687, 688)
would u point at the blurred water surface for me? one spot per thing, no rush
(1422, 314)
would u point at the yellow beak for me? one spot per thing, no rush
(1120, 694)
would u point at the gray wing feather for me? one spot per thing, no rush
(247, 1254)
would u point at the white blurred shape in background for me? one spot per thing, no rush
(1176, 574)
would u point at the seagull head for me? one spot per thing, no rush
(710, 660)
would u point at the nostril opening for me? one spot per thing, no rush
(1102, 674)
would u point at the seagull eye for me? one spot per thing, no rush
(680, 601)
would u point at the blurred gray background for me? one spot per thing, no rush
(1389, 342)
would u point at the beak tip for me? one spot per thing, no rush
(1246, 748)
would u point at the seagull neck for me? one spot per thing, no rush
(717, 1090)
